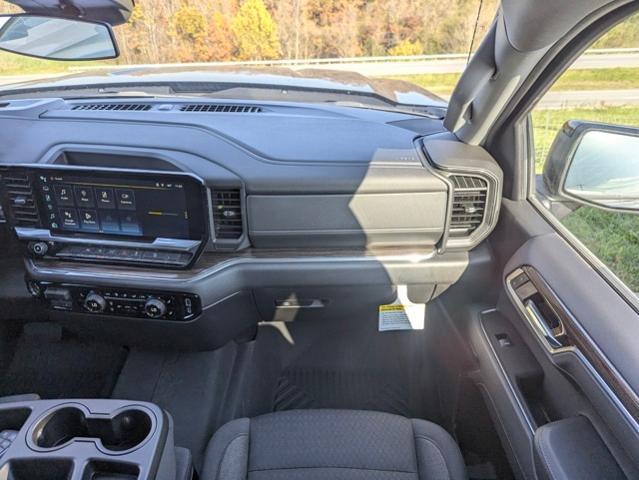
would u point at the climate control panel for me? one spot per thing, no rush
(112, 301)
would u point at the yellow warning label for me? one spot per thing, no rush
(391, 308)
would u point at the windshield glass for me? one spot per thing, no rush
(390, 52)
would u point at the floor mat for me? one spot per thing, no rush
(62, 368)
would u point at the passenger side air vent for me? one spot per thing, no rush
(227, 214)
(119, 107)
(469, 204)
(219, 108)
(22, 201)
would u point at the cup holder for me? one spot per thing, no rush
(125, 431)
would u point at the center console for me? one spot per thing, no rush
(145, 218)
(89, 440)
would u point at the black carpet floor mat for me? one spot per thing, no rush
(57, 368)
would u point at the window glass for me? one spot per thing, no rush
(586, 144)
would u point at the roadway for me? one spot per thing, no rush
(437, 64)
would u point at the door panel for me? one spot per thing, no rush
(584, 366)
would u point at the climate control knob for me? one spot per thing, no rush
(95, 303)
(154, 308)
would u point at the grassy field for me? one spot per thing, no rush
(11, 64)
(594, 79)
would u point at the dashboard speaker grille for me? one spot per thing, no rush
(21, 198)
(120, 107)
(469, 204)
(219, 108)
(227, 214)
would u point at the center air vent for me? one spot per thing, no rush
(469, 204)
(119, 107)
(227, 214)
(219, 108)
(21, 199)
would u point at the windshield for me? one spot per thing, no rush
(373, 53)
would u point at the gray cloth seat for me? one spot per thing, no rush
(332, 444)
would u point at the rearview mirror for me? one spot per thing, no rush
(56, 38)
(594, 164)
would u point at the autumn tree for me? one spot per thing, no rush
(255, 32)
(220, 40)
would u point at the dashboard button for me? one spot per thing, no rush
(129, 224)
(105, 197)
(69, 218)
(125, 199)
(63, 195)
(89, 220)
(109, 221)
(154, 308)
(84, 196)
(95, 303)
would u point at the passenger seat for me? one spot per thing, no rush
(332, 444)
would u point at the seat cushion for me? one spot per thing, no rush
(332, 444)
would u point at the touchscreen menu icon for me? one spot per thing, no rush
(69, 217)
(63, 195)
(84, 197)
(89, 220)
(125, 199)
(105, 197)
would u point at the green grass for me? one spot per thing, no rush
(613, 237)
(593, 79)
(12, 64)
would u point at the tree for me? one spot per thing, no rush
(220, 39)
(255, 32)
(405, 48)
(189, 27)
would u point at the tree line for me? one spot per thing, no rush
(227, 30)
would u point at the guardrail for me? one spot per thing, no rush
(335, 61)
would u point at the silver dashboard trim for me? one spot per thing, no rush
(104, 273)
(172, 244)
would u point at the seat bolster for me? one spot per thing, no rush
(226, 456)
(438, 456)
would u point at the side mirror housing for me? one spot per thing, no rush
(593, 164)
(57, 38)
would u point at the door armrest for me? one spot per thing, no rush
(572, 448)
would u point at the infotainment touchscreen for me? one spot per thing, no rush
(125, 204)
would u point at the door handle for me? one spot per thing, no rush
(539, 323)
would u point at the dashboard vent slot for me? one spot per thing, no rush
(227, 214)
(220, 108)
(469, 204)
(22, 200)
(119, 107)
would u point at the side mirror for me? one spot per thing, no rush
(56, 38)
(593, 164)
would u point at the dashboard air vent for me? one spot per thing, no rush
(119, 107)
(21, 198)
(227, 214)
(469, 204)
(219, 108)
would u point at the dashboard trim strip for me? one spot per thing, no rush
(173, 244)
